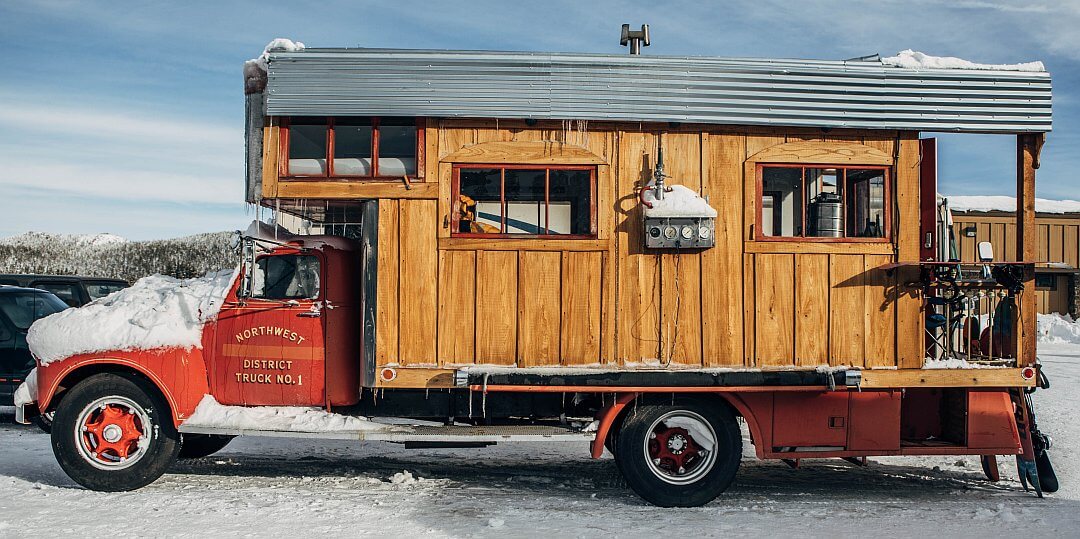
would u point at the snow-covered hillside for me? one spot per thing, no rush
(109, 255)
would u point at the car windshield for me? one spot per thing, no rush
(22, 308)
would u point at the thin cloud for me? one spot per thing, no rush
(123, 153)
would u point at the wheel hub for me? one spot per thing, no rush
(676, 444)
(112, 433)
(674, 451)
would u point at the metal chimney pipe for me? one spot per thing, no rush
(635, 38)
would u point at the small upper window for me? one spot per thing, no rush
(352, 147)
(823, 202)
(523, 200)
(1045, 281)
(286, 277)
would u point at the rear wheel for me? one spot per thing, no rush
(197, 446)
(114, 433)
(679, 455)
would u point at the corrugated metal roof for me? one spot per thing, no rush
(814, 93)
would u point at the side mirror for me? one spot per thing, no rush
(246, 249)
(985, 251)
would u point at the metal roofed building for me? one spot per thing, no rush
(859, 94)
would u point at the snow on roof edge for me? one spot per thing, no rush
(989, 203)
(911, 59)
(255, 69)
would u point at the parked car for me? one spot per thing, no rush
(19, 308)
(74, 290)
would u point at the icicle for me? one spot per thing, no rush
(483, 402)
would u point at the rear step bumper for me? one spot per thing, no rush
(404, 434)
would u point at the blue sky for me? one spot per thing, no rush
(127, 117)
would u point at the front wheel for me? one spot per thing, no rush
(114, 433)
(679, 455)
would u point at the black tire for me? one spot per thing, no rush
(197, 446)
(696, 487)
(145, 411)
(44, 422)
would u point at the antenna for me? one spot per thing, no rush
(635, 38)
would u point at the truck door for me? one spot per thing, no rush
(268, 346)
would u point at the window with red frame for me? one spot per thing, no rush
(823, 202)
(351, 147)
(523, 200)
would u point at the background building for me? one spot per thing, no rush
(993, 219)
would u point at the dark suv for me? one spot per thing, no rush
(20, 307)
(73, 290)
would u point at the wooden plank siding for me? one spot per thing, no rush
(496, 307)
(1058, 242)
(417, 282)
(447, 302)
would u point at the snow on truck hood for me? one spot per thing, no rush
(156, 312)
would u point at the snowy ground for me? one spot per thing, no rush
(260, 487)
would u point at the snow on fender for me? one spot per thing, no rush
(27, 391)
(156, 312)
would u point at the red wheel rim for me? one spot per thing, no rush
(674, 450)
(111, 432)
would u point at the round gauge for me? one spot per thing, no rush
(654, 231)
(687, 232)
(703, 232)
(671, 232)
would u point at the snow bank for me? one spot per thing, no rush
(211, 413)
(1058, 329)
(916, 60)
(679, 201)
(156, 312)
(1008, 204)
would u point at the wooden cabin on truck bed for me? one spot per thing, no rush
(548, 268)
(660, 243)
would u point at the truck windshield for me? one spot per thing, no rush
(23, 308)
(286, 277)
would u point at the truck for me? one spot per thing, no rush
(650, 255)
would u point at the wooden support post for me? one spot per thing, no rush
(1027, 160)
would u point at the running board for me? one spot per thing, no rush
(418, 433)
